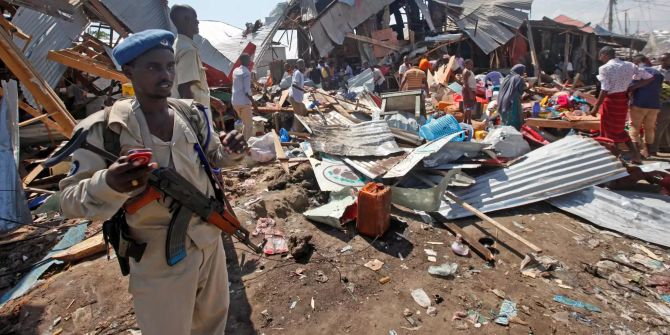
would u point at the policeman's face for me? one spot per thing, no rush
(152, 74)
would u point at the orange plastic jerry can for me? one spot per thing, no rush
(374, 210)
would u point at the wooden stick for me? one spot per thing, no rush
(467, 238)
(491, 221)
(281, 156)
(38, 190)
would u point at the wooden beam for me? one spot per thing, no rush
(34, 83)
(488, 219)
(33, 120)
(85, 64)
(109, 18)
(12, 29)
(279, 151)
(37, 114)
(32, 175)
(372, 41)
(86, 248)
(533, 53)
(563, 124)
(467, 238)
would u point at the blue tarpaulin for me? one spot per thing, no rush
(73, 236)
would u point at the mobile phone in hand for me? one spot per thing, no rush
(143, 156)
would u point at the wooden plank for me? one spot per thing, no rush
(563, 124)
(533, 53)
(372, 41)
(107, 16)
(282, 99)
(467, 238)
(33, 120)
(37, 114)
(279, 151)
(488, 219)
(447, 73)
(85, 64)
(44, 95)
(12, 29)
(86, 248)
(275, 109)
(32, 175)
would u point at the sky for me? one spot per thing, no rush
(647, 14)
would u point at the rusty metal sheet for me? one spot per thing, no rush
(373, 167)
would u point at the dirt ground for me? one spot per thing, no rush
(274, 295)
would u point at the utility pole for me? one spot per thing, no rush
(625, 22)
(610, 22)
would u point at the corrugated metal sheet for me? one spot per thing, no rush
(57, 8)
(48, 33)
(13, 208)
(575, 23)
(373, 167)
(141, 15)
(637, 214)
(230, 42)
(568, 165)
(332, 26)
(490, 24)
(417, 155)
(314, 120)
(372, 138)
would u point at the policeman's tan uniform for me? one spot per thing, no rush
(190, 297)
(189, 68)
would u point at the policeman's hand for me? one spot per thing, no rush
(125, 176)
(233, 142)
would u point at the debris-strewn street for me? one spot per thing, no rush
(273, 295)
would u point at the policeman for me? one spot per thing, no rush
(190, 297)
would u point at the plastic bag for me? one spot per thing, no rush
(262, 148)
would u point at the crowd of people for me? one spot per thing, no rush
(633, 95)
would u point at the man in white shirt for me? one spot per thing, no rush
(615, 78)
(242, 100)
(296, 93)
(406, 65)
(378, 78)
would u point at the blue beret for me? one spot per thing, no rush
(137, 44)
